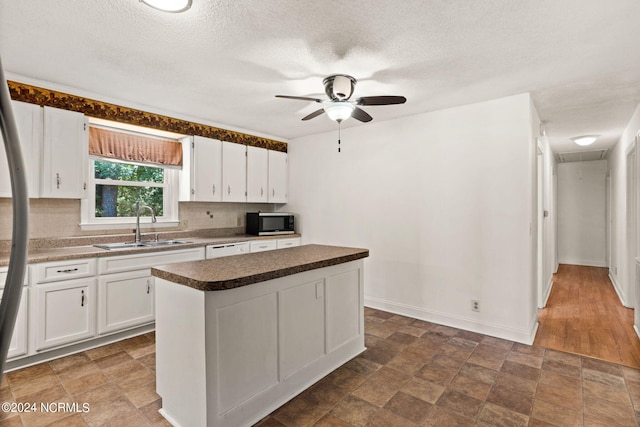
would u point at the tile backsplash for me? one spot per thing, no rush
(61, 217)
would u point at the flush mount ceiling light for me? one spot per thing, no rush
(174, 6)
(339, 111)
(585, 139)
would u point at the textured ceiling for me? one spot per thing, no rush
(223, 61)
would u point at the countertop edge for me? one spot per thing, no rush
(91, 251)
(220, 285)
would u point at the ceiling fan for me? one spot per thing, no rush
(339, 107)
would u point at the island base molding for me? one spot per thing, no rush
(231, 357)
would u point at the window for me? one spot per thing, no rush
(115, 184)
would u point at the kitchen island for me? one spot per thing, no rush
(237, 337)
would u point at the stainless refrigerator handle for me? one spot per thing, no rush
(20, 237)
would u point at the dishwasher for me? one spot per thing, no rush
(227, 249)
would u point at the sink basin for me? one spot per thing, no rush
(133, 245)
(120, 245)
(164, 242)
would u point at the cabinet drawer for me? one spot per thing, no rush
(63, 270)
(262, 245)
(288, 243)
(117, 264)
(3, 276)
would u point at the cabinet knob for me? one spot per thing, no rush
(213, 189)
(228, 189)
(148, 286)
(58, 181)
(273, 192)
(261, 191)
(82, 298)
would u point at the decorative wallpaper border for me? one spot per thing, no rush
(104, 110)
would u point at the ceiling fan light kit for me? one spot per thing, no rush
(339, 111)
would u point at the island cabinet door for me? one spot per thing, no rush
(64, 312)
(125, 300)
(344, 308)
(247, 354)
(302, 331)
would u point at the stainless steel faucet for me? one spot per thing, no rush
(139, 208)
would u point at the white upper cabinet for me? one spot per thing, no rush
(257, 174)
(278, 177)
(234, 172)
(65, 154)
(29, 123)
(201, 175)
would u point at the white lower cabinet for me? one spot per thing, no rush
(64, 312)
(125, 300)
(287, 243)
(262, 245)
(18, 345)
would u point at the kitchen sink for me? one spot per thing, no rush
(164, 242)
(133, 245)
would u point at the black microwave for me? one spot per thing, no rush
(269, 223)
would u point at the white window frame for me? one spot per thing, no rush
(170, 196)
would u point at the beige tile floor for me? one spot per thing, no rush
(116, 380)
(416, 373)
(413, 373)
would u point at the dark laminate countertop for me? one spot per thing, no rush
(240, 270)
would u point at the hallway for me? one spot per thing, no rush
(585, 316)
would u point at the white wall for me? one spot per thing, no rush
(619, 270)
(582, 213)
(443, 201)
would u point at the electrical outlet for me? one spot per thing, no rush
(475, 305)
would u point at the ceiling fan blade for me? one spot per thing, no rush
(301, 98)
(314, 114)
(381, 100)
(360, 114)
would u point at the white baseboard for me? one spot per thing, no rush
(460, 322)
(616, 288)
(588, 263)
(546, 296)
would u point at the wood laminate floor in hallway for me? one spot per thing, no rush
(584, 316)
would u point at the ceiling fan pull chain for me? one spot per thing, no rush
(338, 137)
